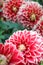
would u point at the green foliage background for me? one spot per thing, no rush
(7, 28)
(40, 1)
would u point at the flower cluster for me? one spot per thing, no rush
(27, 13)
(23, 47)
(30, 44)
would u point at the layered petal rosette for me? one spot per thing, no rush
(9, 55)
(30, 44)
(10, 9)
(29, 14)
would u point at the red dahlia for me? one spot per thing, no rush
(39, 26)
(30, 44)
(9, 55)
(29, 14)
(39, 29)
(10, 9)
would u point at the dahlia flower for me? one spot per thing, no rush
(10, 9)
(30, 44)
(29, 14)
(39, 26)
(9, 55)
(39, 29)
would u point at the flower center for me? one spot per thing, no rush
(3, 60)
(15, 9)
(21, 47)
(33, 17)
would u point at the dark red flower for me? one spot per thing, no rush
(39, 28)
(29, 14)
(10, 9)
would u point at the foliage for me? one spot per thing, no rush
(7, 28)
(40, 1)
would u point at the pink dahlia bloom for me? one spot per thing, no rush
(9, 55)
(29, 14)
(30, 44)
(10, 9)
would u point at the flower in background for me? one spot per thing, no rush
(10, 9)
(29, 14)
(39, 29)
(9, 55)
(39, 26)
(30, 44)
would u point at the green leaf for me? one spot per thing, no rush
(0, 41)
(41, 63)
(1, 31)
(8, 28)
(40, 1)
(0, 10)
(2, 36)
(3, 26)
